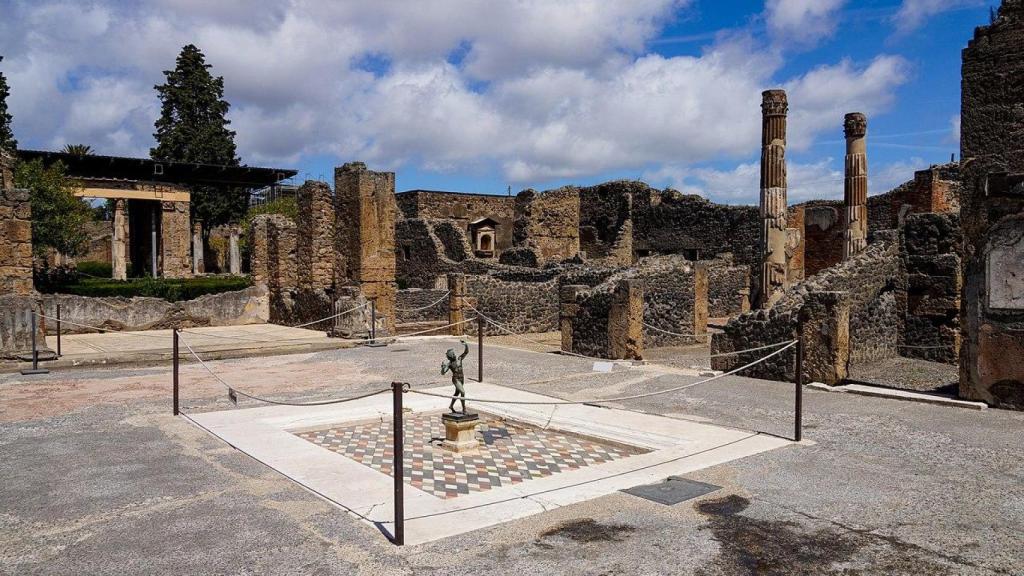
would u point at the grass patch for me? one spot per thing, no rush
(170, 289)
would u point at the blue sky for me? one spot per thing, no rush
(478, 96)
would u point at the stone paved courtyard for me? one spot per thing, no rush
(99, 478)
(510, 452)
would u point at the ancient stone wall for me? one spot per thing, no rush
(521, 306)
(175, 240)
(605, 321)
(728, 289)
(931, 248)
(419, 305)
(549, 222)
(428, 250)
(463, 209)
(365, 210)
(698, 228)
(675, 301)
(249, 306)
(871, 282)
(315, 235)
(295, 306)
(992, 211)
(15, 242)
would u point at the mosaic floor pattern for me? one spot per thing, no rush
(510, 452)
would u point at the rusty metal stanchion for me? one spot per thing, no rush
(480, 349)
(398, 465)
(799, 401)
(58, 330)
(35, 352)
(175, 369)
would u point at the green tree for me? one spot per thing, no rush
(193, 127)
(59, 217)
(7, 141)
(77, 149)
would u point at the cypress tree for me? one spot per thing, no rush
(7, 141)
(193, 127)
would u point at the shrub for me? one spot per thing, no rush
(95, 269)
(170, 289)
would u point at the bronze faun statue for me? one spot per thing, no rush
(458, 379)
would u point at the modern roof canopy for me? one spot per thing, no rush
(187, 173)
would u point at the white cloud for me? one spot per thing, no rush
(954, 129)
(806, 181)
(913, 13)
(802, 22)
(541, 90)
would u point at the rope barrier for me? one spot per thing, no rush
(331, 317)
(670, 333)
(64, 321)
(436, 302)
(606, 400)
(233, 390)
(737, 352)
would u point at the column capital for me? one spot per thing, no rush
(774, 103)
(855, 125)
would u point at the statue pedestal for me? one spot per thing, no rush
(460, 431)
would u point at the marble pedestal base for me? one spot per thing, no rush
(460, 431)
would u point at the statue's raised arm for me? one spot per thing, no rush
(465, 349)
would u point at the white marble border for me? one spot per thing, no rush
(677, 447)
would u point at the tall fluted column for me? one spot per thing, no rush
(774, 108)
(856, 188)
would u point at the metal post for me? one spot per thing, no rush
(398, 468)
(798, 423)
(480, 349)
(35, 352)
(58, 330)
(175, 369)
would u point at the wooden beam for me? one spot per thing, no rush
(133, 194)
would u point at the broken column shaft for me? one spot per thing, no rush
(856, 187)
(774, 108)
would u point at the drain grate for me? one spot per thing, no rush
(672, 491)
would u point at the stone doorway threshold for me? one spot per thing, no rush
(665, 447)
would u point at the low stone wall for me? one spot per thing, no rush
(418, 305)
(869, 283)
(249, 306)
(297, 306)
(728, 289)
(675, 295)
(522, 307)
(16, 325)
(605, 321)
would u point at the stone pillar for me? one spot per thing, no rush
(567, 309)
(774, 108)
(626, 321)
(234, 254)
(457, 303)
(314, 228)
(281, 270)
(855, 189)
(259, 259)
(365, 213)
(992, 211)
(825, 332)
(15, 242)
(197, 248)
(119, 241)
(174, 242)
